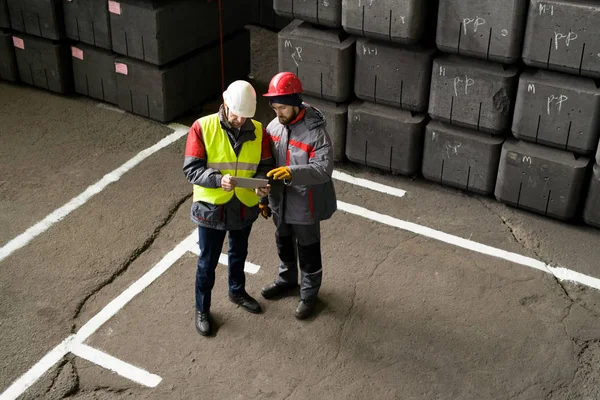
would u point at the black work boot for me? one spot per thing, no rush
(202, 323)
(305, 308)
(275, 289)
(247, 302)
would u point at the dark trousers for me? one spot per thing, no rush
(211, 244)
(299, 244)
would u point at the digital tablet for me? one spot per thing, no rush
(250, 183)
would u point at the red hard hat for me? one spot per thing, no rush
(284, 83)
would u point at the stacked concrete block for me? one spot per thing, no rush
(393, 75)
(163, 93)
(384, 137)
(39, 18)
(541, 179)
(558, 110)
(387, 20)
(320, 12)
(43, 63)
(591, 212)
(87, 21)
(336, 115)
(263, 14)
(564, 35)
(473, 93)
(161, 32)
(8, 63)
(94, 72)
(461, 158)
(323, 59)
(4, 17)
(488, 29)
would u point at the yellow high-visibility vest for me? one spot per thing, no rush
(221, 156)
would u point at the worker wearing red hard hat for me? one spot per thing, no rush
(302, 193)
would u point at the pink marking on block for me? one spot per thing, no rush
(18, 43)
(77, 53)
(121, 68)
(114, 7)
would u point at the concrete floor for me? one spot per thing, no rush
(401, 316)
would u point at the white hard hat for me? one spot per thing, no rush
(240, 97)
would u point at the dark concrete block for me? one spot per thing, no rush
(473, 93)
(87, 21)
(8, 62)
(264, 15)
(461, 158)
(4, 17)
(42, 18)
(163, 93)
(336, 115)
(44, 63)
(558, 110)
(591, 212)
(488, 29)
(94, 72)
(320, 12)
(541, 179)
(384, 137)
(564, 35)
(390, 20)
(396, 76)
(161, 32)
(322, 58)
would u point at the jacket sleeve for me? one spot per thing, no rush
(194, 165)
(320, 163)
(266, 158)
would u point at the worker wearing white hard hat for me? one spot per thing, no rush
(220, 148)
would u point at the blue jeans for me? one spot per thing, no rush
(211, 244)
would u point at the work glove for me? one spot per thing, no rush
(265, 210)
(280, 173)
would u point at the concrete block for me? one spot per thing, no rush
(44, 63)
(263, 14)
(384, 137)
(323, 58)
(564, 35)
(558, 110)
(488, 29)
(401, 21)
(94, 72)
(42, 18)
(161, 32)
(336, 115)
(4, 17)
(87, 21)
(461, 158)
(8, 63)
(541, 179)
(163, 93)
(591, 211)
(320, 12)
(472, 93)
(389, 74)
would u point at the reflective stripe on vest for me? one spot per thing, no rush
(221, 156)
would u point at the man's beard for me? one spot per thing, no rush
(286, 120)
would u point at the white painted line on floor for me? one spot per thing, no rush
(378, 187)
(136, 288)
(109, 362)
(60, 213)
(561, 273)
(223, 260)
(30, 377)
